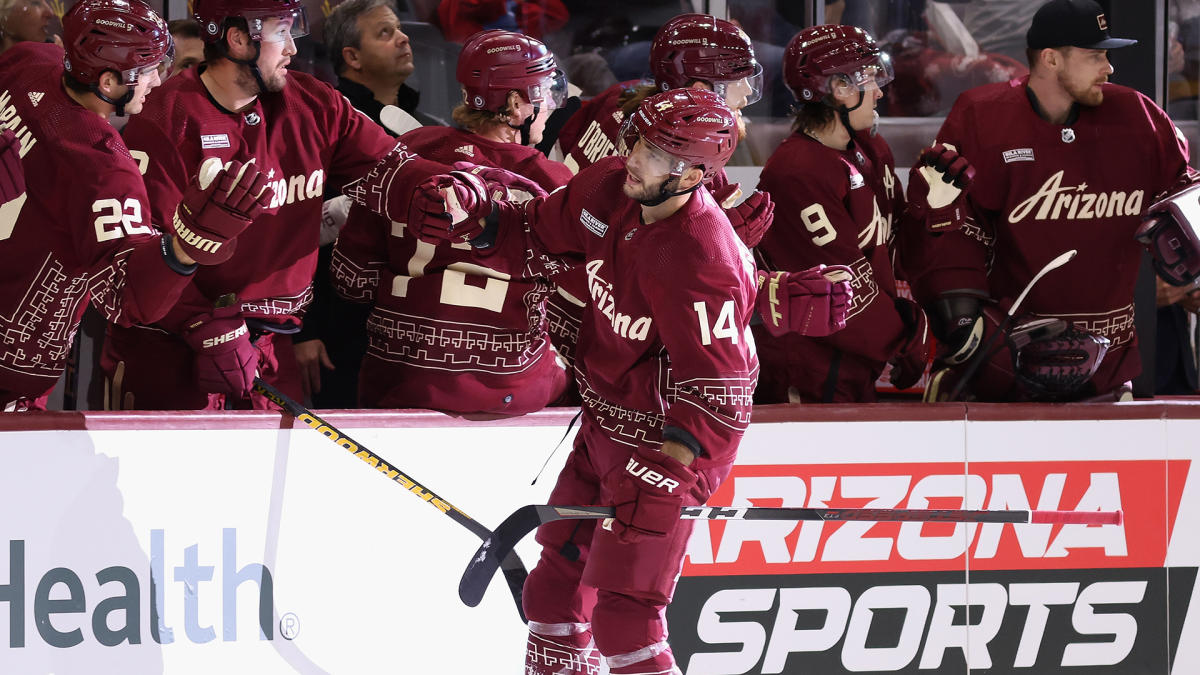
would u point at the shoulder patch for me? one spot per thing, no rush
(592, 223)
(210, 141)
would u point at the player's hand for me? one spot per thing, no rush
(12, 175)
(752, 218)
(226, 361)
(648, 495)
(449, 208)
(937, 190)
(813, 302)
(312, 356)
(502, 185)
(218, 204)
(909, 362)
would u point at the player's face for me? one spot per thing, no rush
(27, 21)
(538, 128)
(147, 80)
(1083, 74)
(189, 51)
(647, 169)
(735, 97)
(862, 117)
(276, 52)
(385, 51)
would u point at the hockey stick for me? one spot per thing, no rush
(524, 520)
(514, 569)
(985, 351)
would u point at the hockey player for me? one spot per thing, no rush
(690, 50)
(834, 180)
(665, 363)
(68, 235)
(445, 333)
(1047, 182)
(301, 133)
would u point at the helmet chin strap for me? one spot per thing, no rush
(664, 194)
(527, 125)
(252, 64)
(844, 115)
(119, 102)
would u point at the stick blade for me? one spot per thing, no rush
(492, 551)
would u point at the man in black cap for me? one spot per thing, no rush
(1064, 160)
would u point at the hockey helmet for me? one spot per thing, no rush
(702, 47)
(820, 56)
(290, 18)
(495, 62)
(124, 36)
(683, 128)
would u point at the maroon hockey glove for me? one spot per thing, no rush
(217, 205)
(937, 190)
(502, 185)
(226, 360)
(449, 208)
(813, 302)
(909, 363)
(1171, 233)
(1059, 365)
(752, 218)
(12, 176)
(648, 495)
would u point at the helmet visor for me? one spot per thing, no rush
(162, 67)
(279, 27)
(550, 92)
(645, 157)
(870, 74)
(740, 93)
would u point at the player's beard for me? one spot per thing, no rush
(741, 126)
(1083, 94)
(645, 191)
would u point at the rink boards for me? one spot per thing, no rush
(151, 543)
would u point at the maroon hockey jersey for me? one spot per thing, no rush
(833, 207)
(1041, 189)
(303, 138)
(82, 229)
(591, 134)
(475, 334)
(665, 345)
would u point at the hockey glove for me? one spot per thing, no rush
(217, 205)
(752, 218)
(503, 186)
(449, 208)
(937, 191)
(1060, 365)
(1170, 233)
(813, 302)
(226, 360)
(958, 324)
(12, 176)
(909, 362)
(648, 495)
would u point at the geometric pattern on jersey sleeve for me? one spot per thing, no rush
(37, 336)
(352, 280)
(863, 285)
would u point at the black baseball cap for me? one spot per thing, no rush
(1072, 23)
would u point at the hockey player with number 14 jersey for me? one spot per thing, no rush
(665, 364)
